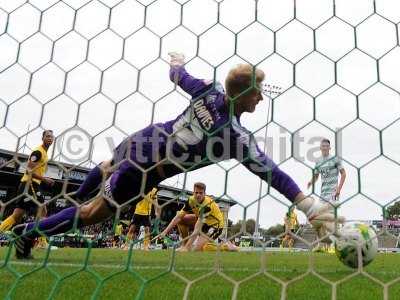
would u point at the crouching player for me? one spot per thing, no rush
(204, 216)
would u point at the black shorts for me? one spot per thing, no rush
(26, 203)
(211, 231)
(140, 220)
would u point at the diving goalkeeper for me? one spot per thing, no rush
(207, 131)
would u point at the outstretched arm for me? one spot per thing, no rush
(181, 77)
(172, 224)
(197, 227)
(319, 214)
(261, 165)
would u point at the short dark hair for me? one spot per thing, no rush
(46, 131)
(326, 141)
(200, 185)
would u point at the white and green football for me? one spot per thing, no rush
(351, 236)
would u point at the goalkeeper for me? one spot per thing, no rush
(209, 130)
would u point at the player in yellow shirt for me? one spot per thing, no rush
(141, 217)
(204, 214)
(291, 224)
(117, 236)
(30, 182)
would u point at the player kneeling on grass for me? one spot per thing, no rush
(202, 212)
(209, 130)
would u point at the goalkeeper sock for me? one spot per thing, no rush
(55, 224)
(7, 224)
(91, 182)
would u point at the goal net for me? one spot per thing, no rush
(96, 71)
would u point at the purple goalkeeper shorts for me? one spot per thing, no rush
(136, 160)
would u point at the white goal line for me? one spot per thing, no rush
(176, 268)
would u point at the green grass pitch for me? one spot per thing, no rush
(117, 274)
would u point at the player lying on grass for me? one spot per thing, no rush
(141, 217)
(203, 215)
(208, 131)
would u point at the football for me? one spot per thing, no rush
(351, 236)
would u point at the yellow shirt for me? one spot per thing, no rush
(292, 220)
(208, 209)
(143, 207)
(39, 156)
(118, 230)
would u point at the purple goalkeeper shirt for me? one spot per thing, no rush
(205, 133)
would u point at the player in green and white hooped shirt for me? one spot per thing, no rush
(329, 167)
